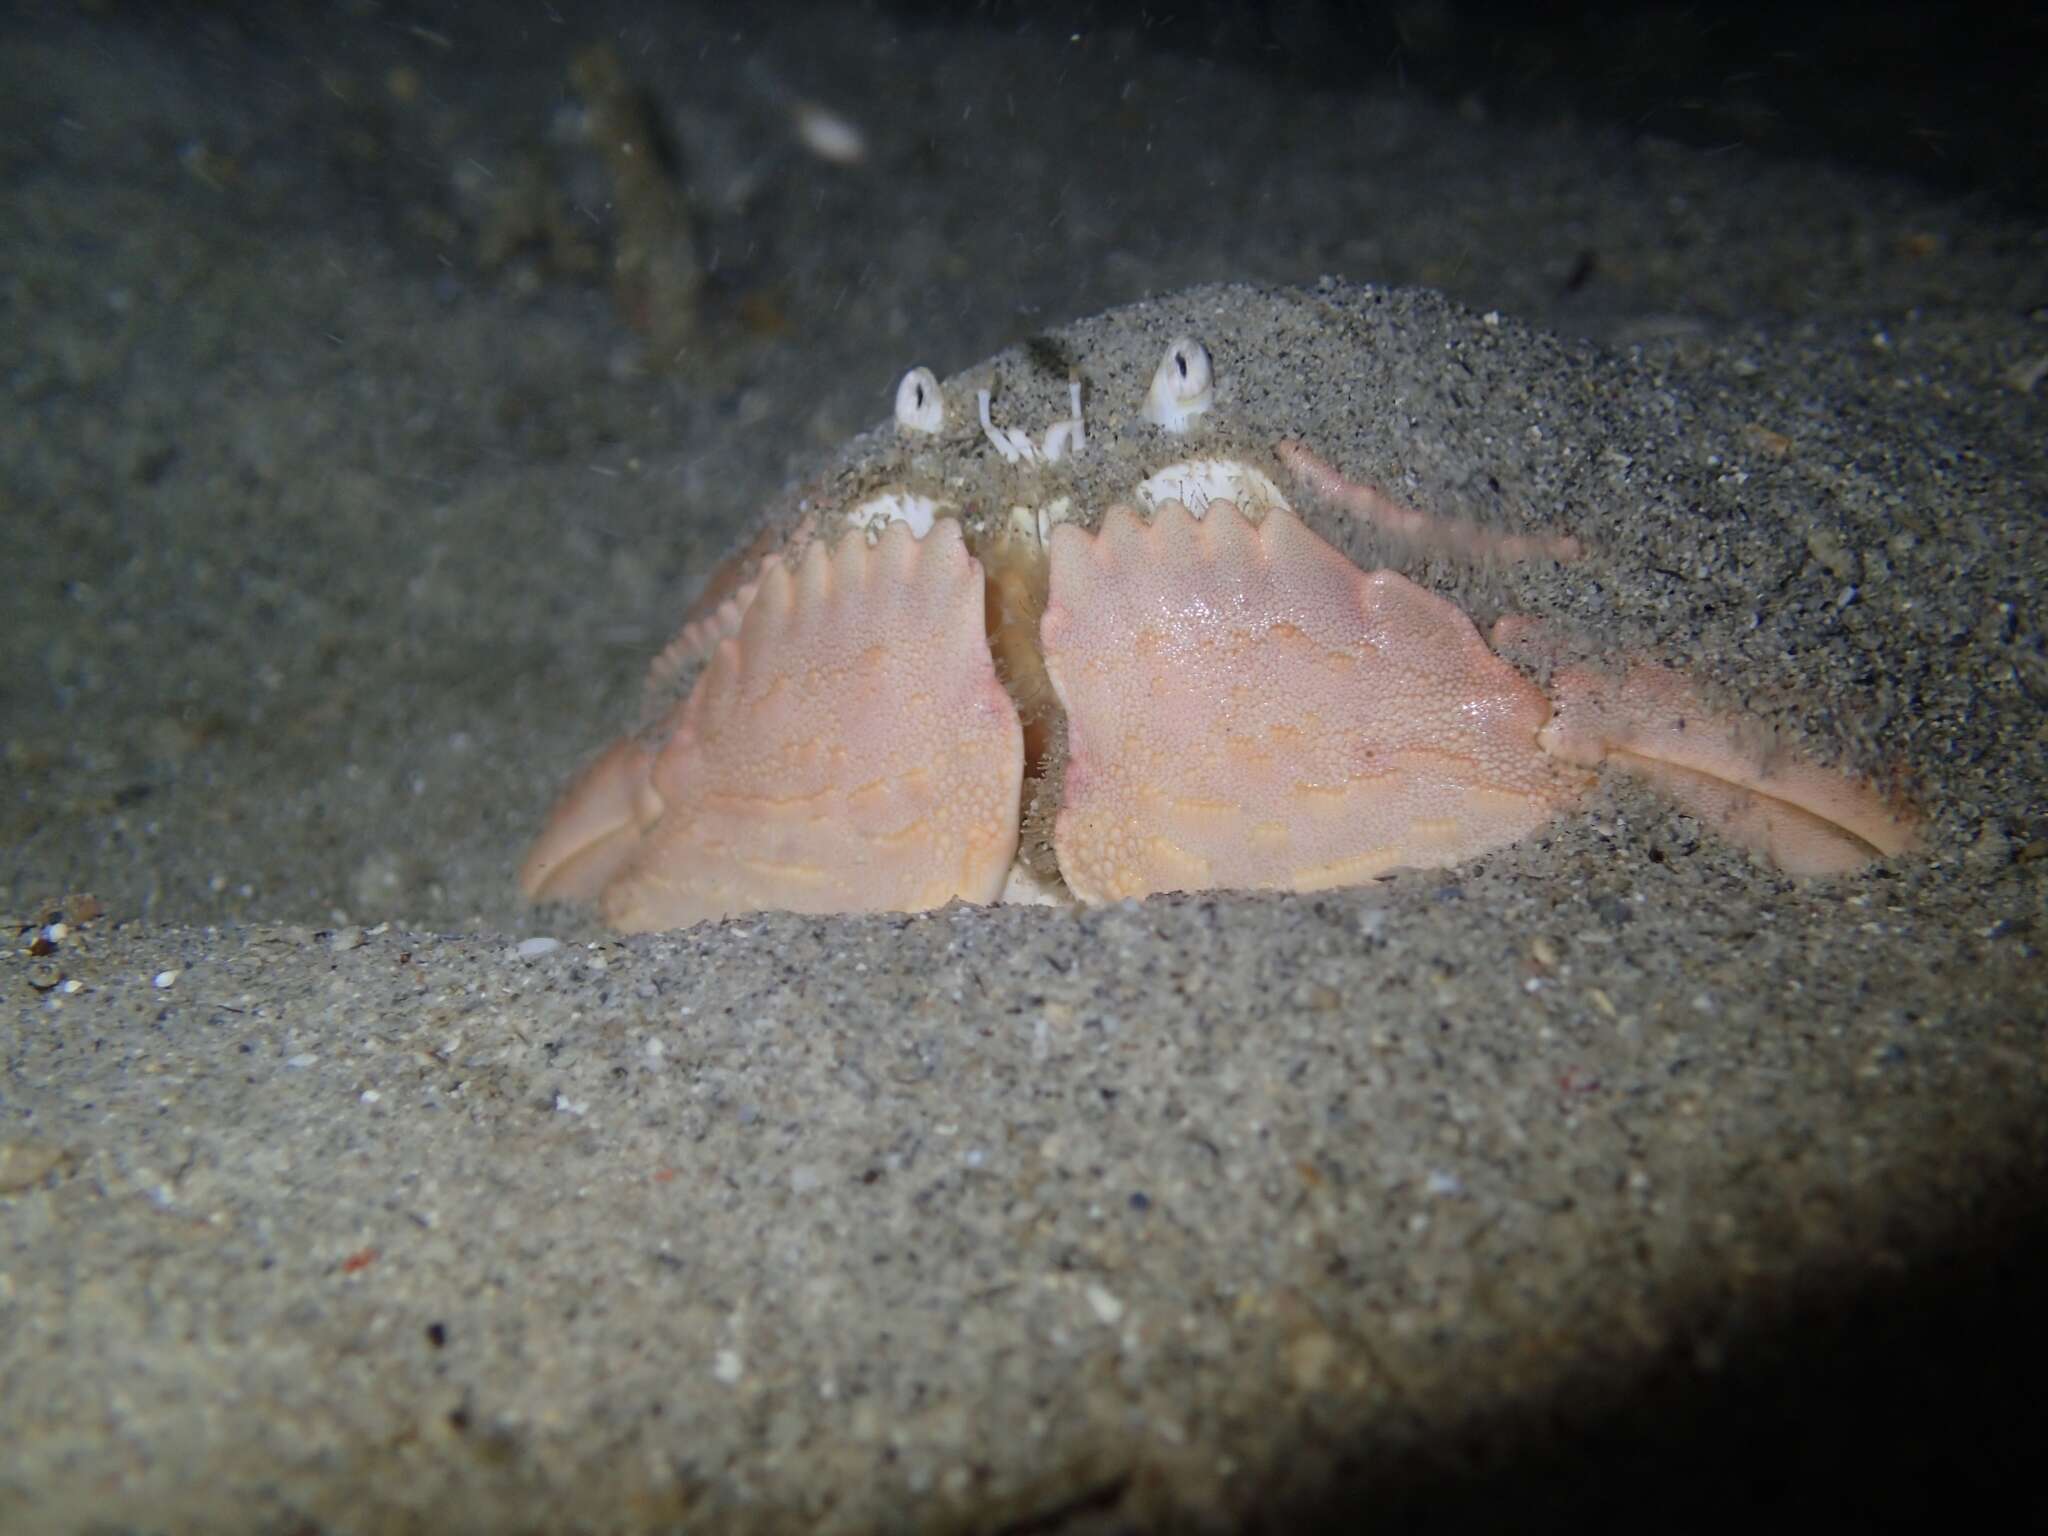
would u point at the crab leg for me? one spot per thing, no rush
(1724, 768)
(1423, 529)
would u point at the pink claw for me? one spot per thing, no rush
(594, 828)
(1246, 708)
(850, 749)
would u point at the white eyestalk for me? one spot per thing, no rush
(1182, 388)
(919, 407)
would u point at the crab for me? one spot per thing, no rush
(921, 699)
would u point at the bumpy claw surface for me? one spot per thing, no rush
(849, 750)
(1245, 707)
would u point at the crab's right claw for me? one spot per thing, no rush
(1247, 709)
(594, 827)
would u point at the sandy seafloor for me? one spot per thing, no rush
(1613, 1176)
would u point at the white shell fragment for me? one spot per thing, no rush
(1035, 524)
(1059, 510)
(878, 512)
(1027, 888)
(827, 135)
(1195, 483)
(1183, 386)
(919, 406)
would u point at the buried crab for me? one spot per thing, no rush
(905, 697)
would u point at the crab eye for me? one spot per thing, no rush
(1181, 389)
(918, 405)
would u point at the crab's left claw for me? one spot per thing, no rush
(594, 828)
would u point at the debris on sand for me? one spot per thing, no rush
(656, 280)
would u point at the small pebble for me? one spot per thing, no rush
(163, 981)
(1310, 1358)
(532, 949)
(828, 135)
(726, 1366)
(1105, 1305)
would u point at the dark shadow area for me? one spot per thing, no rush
(1951, 95)
(1865, 1402)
